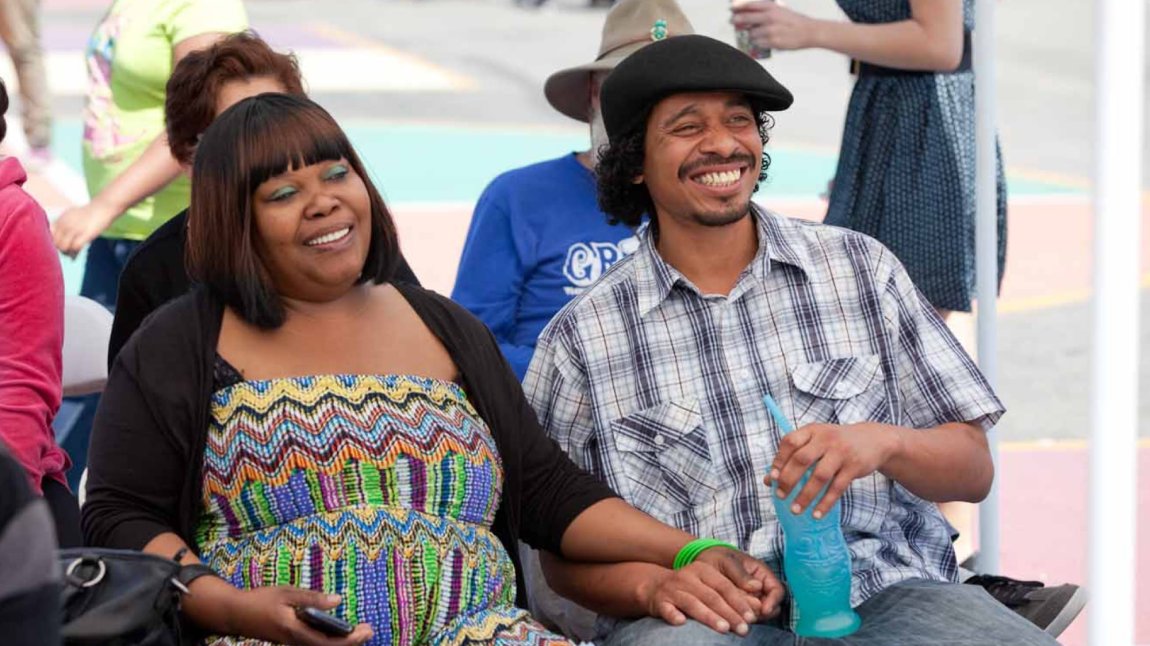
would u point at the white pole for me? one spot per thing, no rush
(986, 252)
(1119, 91)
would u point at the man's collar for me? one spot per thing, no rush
(654, 278)
(778, 242)
(783, 238)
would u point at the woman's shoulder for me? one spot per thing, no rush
(466, 338)
(182, 311)
(174, 329)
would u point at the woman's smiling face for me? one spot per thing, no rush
(313, 229)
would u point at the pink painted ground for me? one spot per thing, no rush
(1044, 525)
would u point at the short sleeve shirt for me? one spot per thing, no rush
(129, 60)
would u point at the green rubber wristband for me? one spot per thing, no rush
(692, 550)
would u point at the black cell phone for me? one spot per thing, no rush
(323, 622)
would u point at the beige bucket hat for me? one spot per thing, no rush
(630, 25)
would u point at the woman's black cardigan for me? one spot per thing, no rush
(146, 457)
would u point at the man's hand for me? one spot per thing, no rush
(723, 589)
(843, 453)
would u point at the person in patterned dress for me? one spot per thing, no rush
(906, 166)
(322, 437)
(906, 177)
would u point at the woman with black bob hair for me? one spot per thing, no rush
(319, 437)
(621, 163)
(266, 139)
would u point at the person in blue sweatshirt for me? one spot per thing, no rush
(538, 238)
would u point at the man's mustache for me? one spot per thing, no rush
(715, 160)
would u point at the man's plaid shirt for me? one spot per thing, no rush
(658, 389)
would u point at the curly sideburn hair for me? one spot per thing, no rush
(621, 161)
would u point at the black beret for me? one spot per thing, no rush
(684, 64)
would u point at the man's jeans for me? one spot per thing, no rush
(912, 612)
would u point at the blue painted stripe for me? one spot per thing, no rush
(453, 163)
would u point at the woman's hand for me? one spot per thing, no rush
(80, 225)
(268, 614)
(771, 25)
(749, 574)
(723, 589)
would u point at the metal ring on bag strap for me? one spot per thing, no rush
(101, 570)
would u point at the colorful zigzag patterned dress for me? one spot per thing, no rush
(381, 489)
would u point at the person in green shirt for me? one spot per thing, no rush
(135, 182)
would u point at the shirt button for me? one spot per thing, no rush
(659, 440)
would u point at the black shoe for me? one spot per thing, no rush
(1050, 608)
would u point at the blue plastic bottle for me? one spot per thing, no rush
(816, 560)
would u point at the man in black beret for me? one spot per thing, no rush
(655, 378)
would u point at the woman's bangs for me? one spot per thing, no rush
(296, 140)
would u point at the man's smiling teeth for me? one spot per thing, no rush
(725, 178)
(330, 237)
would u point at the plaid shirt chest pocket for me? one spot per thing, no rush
(844, 391)
(841, 391)
(666, 460)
